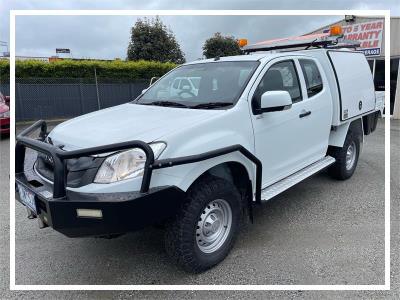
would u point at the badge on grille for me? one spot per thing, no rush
(49, 159)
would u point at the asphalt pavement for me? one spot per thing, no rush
(321, 231)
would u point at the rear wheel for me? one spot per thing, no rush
(346, 157)
(205, 230)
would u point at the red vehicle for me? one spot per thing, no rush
(4, 115)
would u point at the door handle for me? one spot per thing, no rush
(305, 114)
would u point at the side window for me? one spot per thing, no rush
(312, 77)
(281, 76)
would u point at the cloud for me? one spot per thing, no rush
(108, 36)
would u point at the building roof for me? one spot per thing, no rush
(341, 20)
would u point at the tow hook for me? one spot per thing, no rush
(42, 224)
(31, 215)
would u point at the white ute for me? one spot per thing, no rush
(196, 161)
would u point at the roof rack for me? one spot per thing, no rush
(306, 42)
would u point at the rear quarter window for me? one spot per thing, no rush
(312, 77)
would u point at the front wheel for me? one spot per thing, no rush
(205, 230)
(346, 157)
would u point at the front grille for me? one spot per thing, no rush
(80, 171)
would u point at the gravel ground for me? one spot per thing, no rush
(319, 232)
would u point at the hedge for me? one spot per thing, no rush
(85, 69)
(4, 69)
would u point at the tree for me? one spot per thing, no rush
(220, 45)
(152, 40)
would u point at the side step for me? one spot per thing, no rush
(284, 184)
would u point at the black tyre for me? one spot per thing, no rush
(346, 157)
(203, 233)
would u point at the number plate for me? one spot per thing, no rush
(27, 197)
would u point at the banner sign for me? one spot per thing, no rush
(63, 50)
(368, 34)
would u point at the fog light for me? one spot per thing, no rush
(89, 213)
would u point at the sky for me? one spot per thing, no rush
(107, 37)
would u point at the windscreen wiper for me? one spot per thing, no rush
(166, 103)
(212, 105)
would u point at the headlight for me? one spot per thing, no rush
(5, 114)
(126, 164)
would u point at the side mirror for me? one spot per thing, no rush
(275, 101)
(144, 91)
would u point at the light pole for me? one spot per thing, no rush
(4, 44)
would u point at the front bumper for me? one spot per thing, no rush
(121, 212)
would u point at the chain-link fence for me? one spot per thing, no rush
(55, 98)
(5, 87)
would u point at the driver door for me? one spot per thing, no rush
(281, 141)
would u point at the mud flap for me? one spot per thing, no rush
(370, 121)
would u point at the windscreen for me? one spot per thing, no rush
(198, 85)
